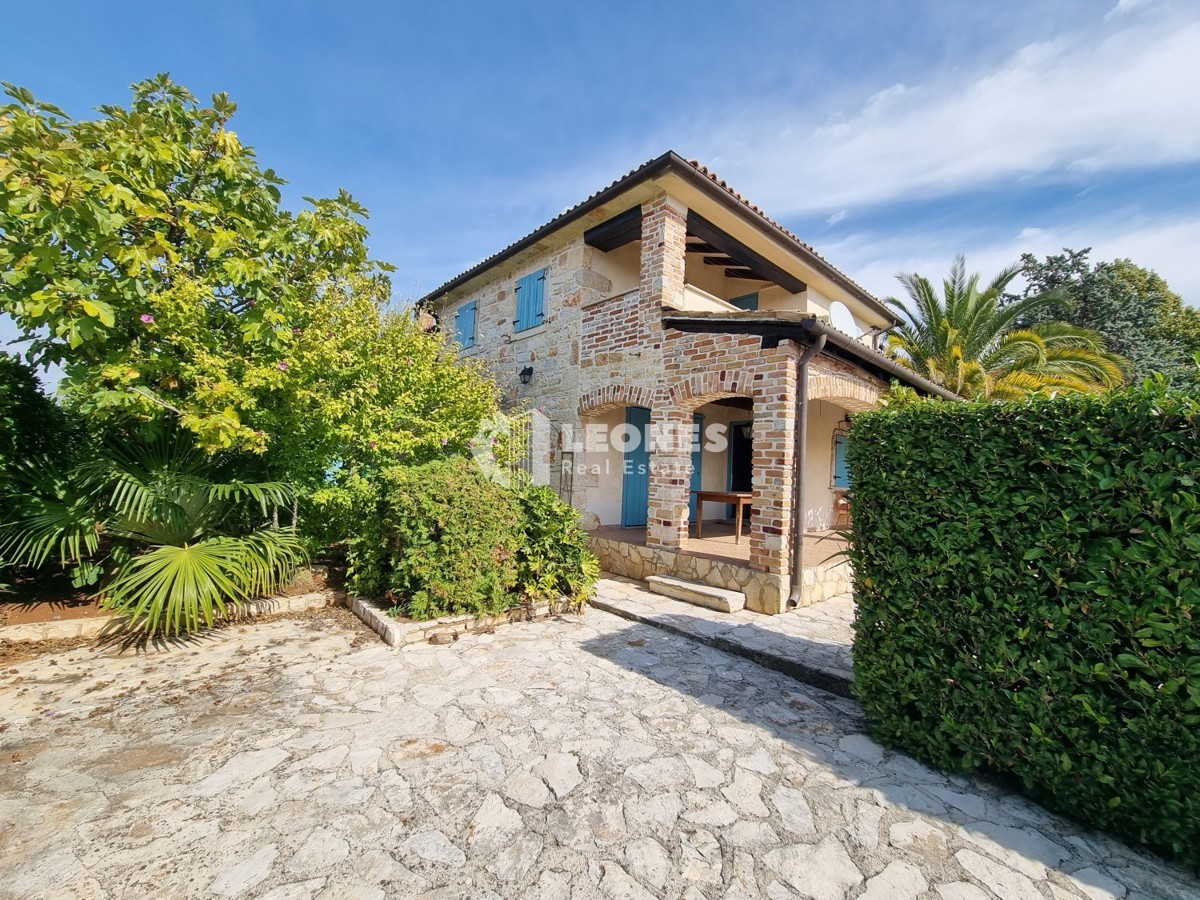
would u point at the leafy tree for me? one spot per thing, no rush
(148, 253)
(1135, 310)
(167, 535)
(367, 386)
(105, 225)
(968, 342)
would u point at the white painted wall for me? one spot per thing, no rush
(603, 498)
(823, 419)
(621, 266)
(714, 475)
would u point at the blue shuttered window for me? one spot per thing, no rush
(841, 475)
(464, 325)
(531, 300)
(748, 301)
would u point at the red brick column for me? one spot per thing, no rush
(664, 243)
(773, 461)
(670, 478)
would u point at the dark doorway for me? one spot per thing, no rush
(741, 451)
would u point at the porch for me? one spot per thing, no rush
(641, 499)
(718, 543)
(718, 561)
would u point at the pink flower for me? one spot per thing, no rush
(372, 445)
(147, 318)
(283, 366)
(445, 441)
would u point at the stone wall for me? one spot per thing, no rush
(765, 592)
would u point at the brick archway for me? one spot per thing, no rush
(705, 387)
(851, 393)
(614, 396)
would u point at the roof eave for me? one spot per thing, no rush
(739, 208)
(797, 326)
(644, 172)
(672, 162)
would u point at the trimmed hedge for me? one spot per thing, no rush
(1027, 584)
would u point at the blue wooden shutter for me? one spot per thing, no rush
(531, 296)
(464, 324)
(841, 475)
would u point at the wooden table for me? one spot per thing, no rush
(740, 499)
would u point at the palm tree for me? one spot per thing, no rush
(972, 343)
(168, 540)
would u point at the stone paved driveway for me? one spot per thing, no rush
(583, 757)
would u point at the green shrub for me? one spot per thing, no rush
(1027, 581)
(553, 560)
(442, 539)
(452, 539)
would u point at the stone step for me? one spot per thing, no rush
(720, 599)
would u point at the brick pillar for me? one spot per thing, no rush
(773, 462)
(664, 243)
(670, 478)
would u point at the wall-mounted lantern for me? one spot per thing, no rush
(526, 375)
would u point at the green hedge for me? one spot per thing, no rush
(1027, 586)
(442, 539)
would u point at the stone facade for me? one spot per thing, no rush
(601, 347)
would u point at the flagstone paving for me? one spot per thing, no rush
(812, 643)
(573, 758)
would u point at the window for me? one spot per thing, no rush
(748, 302)
(464, 324)
(841, 475)
(531, 300)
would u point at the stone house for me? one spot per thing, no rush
(665, 305)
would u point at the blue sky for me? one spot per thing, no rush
(890, 135)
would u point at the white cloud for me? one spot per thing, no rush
(1120, 98)
(1126, 6)
(1167, 246)
(839, 216)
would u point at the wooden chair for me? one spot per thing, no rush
(841, 511)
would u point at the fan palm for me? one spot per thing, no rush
(970, 342)
(169, 542)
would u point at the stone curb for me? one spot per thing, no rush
(397, 633)
(826, 681)
(101, 625)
